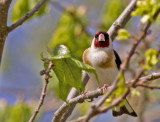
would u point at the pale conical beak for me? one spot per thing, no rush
(101, 37)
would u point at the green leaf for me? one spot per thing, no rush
(135, 92)
(123, 34)
(108, 101)
(150, 58)
(68, 71)
(21, 7)
(122, 103)
(83, 108)
(85, 67)
(68, 75)
(118, 92)
(145, 19)
(120, 86)
(60, 52)
(147, 9)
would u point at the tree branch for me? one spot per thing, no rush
(43, 94)
(148, 86)
(26, 16)
(78, 99)
(96, 93)
(125, 64)
(4, 6)
(144, 79)
(137, 80)
(122, 20)
(73, 93)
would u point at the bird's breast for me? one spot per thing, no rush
(105, 76)
(101, 59)
(104, 64)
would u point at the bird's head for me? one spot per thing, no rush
(101, 39)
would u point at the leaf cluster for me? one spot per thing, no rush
(147, 9)
(118, 91)
(151, 59)
(68, 70)
(123, 34)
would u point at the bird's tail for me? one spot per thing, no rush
(126, 109)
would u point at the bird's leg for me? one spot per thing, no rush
(103, 88)
(83, 93)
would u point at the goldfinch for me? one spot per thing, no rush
(106, 62)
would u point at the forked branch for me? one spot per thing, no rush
(26, 16)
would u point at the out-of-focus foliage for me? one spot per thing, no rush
(68, 70)
(147, 9)
(123, 34)
(18, 112)
(135, 92)
(112, 9)
(70, 31)
(23, 6)
(121, 85)
(151, 58)
(83, 108)
(118, 91)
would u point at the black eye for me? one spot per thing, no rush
(96, 36)
(106, 36)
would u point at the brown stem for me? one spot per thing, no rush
(4, 6)
(148, 86)
(26, 16)
(43, 94)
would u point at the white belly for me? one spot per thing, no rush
(105, 76)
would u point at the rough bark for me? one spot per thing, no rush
(4, 6)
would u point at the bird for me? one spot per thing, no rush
(106, 62)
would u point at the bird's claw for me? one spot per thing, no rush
(84, 93)
(104, 87)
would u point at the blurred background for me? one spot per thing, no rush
(73, 23)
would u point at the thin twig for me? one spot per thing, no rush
(43, 94)
(26, 16)
(148, 86)
(152, 76)
(144, 79)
